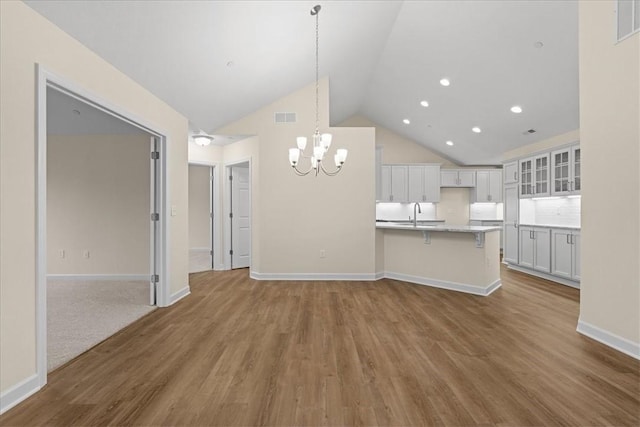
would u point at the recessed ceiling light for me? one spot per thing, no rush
(476, 129)
(516, 109)
(406, 121)
(538, 45)
(424, 103)
(449, 143)
(445, 82)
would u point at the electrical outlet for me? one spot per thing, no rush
(323, 253)
(85, 254)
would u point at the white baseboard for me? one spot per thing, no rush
(200, 250)
(544, 275)
(312, 276)
(112, 277)
(442, 284)
(369, 277)
(614, 341)
(177, 296)
(18, 393)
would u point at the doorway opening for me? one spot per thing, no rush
(238, 225)
(101, 228)
(202, 218)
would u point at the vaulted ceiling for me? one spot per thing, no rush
(217, 61)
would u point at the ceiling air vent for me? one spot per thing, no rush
(530, 131)
(284, 117)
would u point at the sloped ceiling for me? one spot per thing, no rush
(217, 61)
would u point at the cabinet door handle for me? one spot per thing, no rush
(515, 175)
(391, 198)
(424, 198)
(489, 197)
(515, 224)
(530, 234)
(569, 239)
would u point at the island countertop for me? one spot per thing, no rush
(441, 227)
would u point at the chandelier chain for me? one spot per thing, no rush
(317, 73)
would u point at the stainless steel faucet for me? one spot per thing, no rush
(415, 217)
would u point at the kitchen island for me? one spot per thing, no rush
(461, 258)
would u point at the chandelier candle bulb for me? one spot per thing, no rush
(302, 142)
(294, 156)
(318, 152)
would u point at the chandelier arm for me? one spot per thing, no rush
(326, 172)
(300, 173)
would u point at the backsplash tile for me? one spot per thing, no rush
(553, 211)
(402, 211)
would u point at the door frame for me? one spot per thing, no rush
(45, 79)
(214, 203)
(227, 210)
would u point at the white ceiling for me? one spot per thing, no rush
(69, 116)
(382, 59)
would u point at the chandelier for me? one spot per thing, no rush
(321, 142)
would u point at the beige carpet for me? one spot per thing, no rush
(80, 314)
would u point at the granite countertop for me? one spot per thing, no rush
(449, 228)
(566, 227)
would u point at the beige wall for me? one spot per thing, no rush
(299, 216)
(26, 38)
(544, 145)
(199, 207)
(395, 148)
(98, 189)
(610, 145)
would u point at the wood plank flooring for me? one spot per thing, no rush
(243, 352)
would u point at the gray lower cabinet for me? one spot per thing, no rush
(565, 253)
(535, 245)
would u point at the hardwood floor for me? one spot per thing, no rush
(243, 352)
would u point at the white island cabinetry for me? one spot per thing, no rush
(433, 256)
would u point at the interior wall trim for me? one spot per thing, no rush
(543, 275)
(312, 276)
(19, 392)
(442, 284)
(609, 339)
(111, 277)
(177, 296)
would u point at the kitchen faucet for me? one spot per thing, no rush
(415, 217)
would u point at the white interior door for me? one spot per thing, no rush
(240, 217)
(155, 220)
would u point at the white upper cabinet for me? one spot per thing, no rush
(488, 187)
(565, 171)
(394, 184)
(457, 178)
(534, 176)
(424, 183)
(510, 173)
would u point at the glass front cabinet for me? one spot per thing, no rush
(534, 176)
(565, 171)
